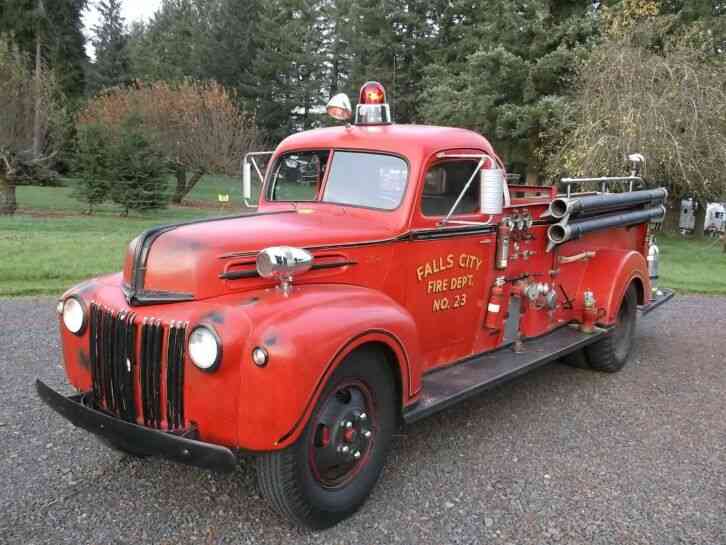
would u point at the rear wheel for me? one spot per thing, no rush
(577, 359)
(329, 472)
(612, 352)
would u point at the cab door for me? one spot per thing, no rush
(449, 266)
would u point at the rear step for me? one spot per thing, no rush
(444, 388)
(664, 295)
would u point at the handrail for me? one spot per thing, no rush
(603, 181)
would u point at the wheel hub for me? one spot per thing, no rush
(345, 434)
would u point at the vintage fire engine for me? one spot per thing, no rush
(389, 272)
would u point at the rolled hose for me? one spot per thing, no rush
(562, 207)
(564, 231)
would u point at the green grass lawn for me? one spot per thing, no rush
(50, 245)
(690, 265)
(60, 199)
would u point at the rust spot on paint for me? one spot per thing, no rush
(84, 359)
(85, 287)
(183, 245)
(214, 316)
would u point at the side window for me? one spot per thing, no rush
(443, 184)
(298, 176)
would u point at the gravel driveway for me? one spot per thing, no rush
(559, 456)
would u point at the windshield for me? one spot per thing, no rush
(370, 180)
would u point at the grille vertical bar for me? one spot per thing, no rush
(152, 341)
(175, 375)
(112, 355)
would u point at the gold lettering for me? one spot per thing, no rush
(441, 304)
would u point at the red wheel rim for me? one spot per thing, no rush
(343, 434)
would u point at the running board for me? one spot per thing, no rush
(448, 386)
(664, 295)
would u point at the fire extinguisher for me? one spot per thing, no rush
(495, 312)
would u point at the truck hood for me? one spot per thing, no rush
(192, 258)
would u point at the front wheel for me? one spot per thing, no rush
(329, 472)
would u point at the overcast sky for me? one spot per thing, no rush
(133, 10)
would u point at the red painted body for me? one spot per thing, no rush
(389, 290)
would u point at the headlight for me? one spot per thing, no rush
(205, 349)
(74, 315)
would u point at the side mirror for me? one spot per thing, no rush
(491, 191)
(246, 180)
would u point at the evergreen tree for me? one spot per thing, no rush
(175, 44)
(138, 169)
(58, 25)
(232, 45)
(111, 67)
(509, 77)
(289, 66)
(91, 165)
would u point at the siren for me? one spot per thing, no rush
(372, 108)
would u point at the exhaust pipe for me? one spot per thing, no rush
(563, 207)
(564, 231)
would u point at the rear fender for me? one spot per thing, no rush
(608, 275)
(307, 335)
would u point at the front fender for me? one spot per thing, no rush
(608, 275)
(307, 334)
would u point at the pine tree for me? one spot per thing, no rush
(509, 76)
(175, 44)
(139, 171)
(111, 67)
(289, 66)
(232, 45)
(60, 30)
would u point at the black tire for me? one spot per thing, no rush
(577, 359)
(612, 352)
(302, 481)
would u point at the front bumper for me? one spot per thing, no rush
(136, 438)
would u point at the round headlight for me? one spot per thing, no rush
(205, 349)
(74, 315)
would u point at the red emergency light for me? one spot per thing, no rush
(372, 108)
(372, 92)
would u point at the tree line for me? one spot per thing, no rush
(559, 86)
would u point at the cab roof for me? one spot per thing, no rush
(412, 141)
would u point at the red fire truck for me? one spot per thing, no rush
(388, 272)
